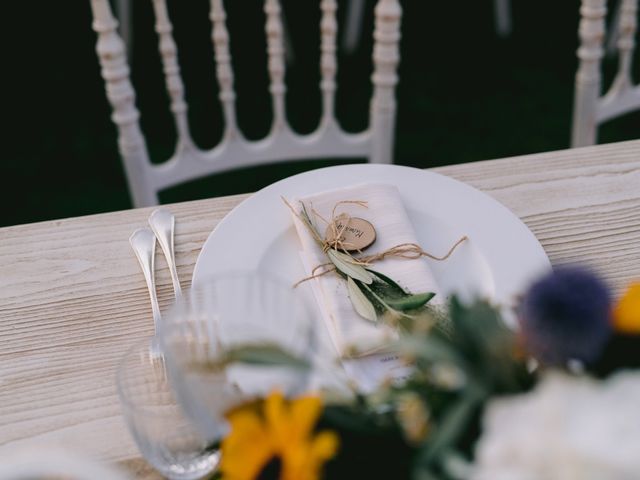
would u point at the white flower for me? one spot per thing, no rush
(567, 428)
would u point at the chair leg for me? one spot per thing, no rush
(502, 12)
(353, 27)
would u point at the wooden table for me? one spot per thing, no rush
(72, 297)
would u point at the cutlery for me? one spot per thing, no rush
(162, 223)
(143, 242)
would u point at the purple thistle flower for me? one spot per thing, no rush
(565, 316)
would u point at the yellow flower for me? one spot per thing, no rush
(626, 314)
(276, 429)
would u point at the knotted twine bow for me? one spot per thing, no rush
(339, 223)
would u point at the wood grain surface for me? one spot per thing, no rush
(72, 297)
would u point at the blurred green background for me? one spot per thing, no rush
(464, 94)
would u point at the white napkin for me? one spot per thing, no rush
(393, 227)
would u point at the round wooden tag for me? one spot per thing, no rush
(357, 235)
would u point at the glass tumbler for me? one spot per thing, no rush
(165, 436)
(225, 313)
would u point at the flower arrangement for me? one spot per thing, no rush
(484, 401)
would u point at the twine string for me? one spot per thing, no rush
(339, 223)
(410, 251)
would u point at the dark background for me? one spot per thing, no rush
(464, 94)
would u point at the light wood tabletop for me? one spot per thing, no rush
(72, 297)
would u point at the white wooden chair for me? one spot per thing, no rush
(282, 143)
(590, 108)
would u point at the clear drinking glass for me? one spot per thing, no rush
(219, 315)
(166, 437)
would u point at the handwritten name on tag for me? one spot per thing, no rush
(356, 235)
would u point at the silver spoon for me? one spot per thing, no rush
(143, 242)
(162, 223)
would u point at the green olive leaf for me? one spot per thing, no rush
(264, 355)
(360, 302)
(391, 285)
(410, 302)
(346, 265)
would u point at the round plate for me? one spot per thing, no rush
(498, 261)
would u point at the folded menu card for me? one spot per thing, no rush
(348, 330)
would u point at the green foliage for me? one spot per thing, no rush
(360, 302)
(346, 265)
(260, 355)
(391, 302)
(410, 302)
(457, 369)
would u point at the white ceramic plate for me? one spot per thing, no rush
(498, 262)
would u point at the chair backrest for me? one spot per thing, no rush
(282, 143)
(590, 108)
